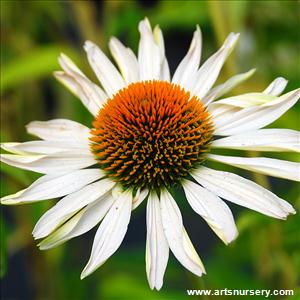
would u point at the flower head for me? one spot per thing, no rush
(150, 133)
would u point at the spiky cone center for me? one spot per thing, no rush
(151, 134)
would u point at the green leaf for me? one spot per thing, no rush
(39, 62)
(18, 175)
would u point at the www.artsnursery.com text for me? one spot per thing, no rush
(240, 292)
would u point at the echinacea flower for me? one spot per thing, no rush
(152, 132)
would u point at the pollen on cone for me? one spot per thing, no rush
(151, 134)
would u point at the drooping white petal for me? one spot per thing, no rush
(243, 192)
(227, 86)
(159, 40)
(262, 140)
(255, 117)
(79, 224)
(276, 87)
(209, 71)
(157, 248)
(149, 58)
(125, 59)
(62, 130)
(177, 238)
(53, 186)
(187, 69)
(213, 210)
(69, 205)
(56, 163)
(43, 147)
(110, 233)
(91, 95)
(140, 196)
(268, 166)
(106, 72)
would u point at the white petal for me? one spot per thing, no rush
(53, 186)
(243, 101)
(227, 86)
(82, 222)
(191, 252)
(214, 211)
(188, 67)
(159, 40)
(125, 59)
(117, 191)
(56, 163)
(110, 233)
(91, 95)
(209, 71)
(68, 65)
(224, 110)
(246, 100)
(140, 196)
(57, 237)
(69, 205)
(176, 236)
(43, 147)
(255, 117)
(268, 166)
(262, 140)
(165, 71)
(149, 53)
(243, 192)
(60, 130)
(157, 248)
(10, 198)
(106, 72)
(276, 87)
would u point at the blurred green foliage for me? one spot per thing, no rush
(33, 33)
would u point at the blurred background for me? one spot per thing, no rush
(33, 33)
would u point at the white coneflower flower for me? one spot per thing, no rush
(152, 132)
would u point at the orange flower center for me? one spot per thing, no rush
(151, 134)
